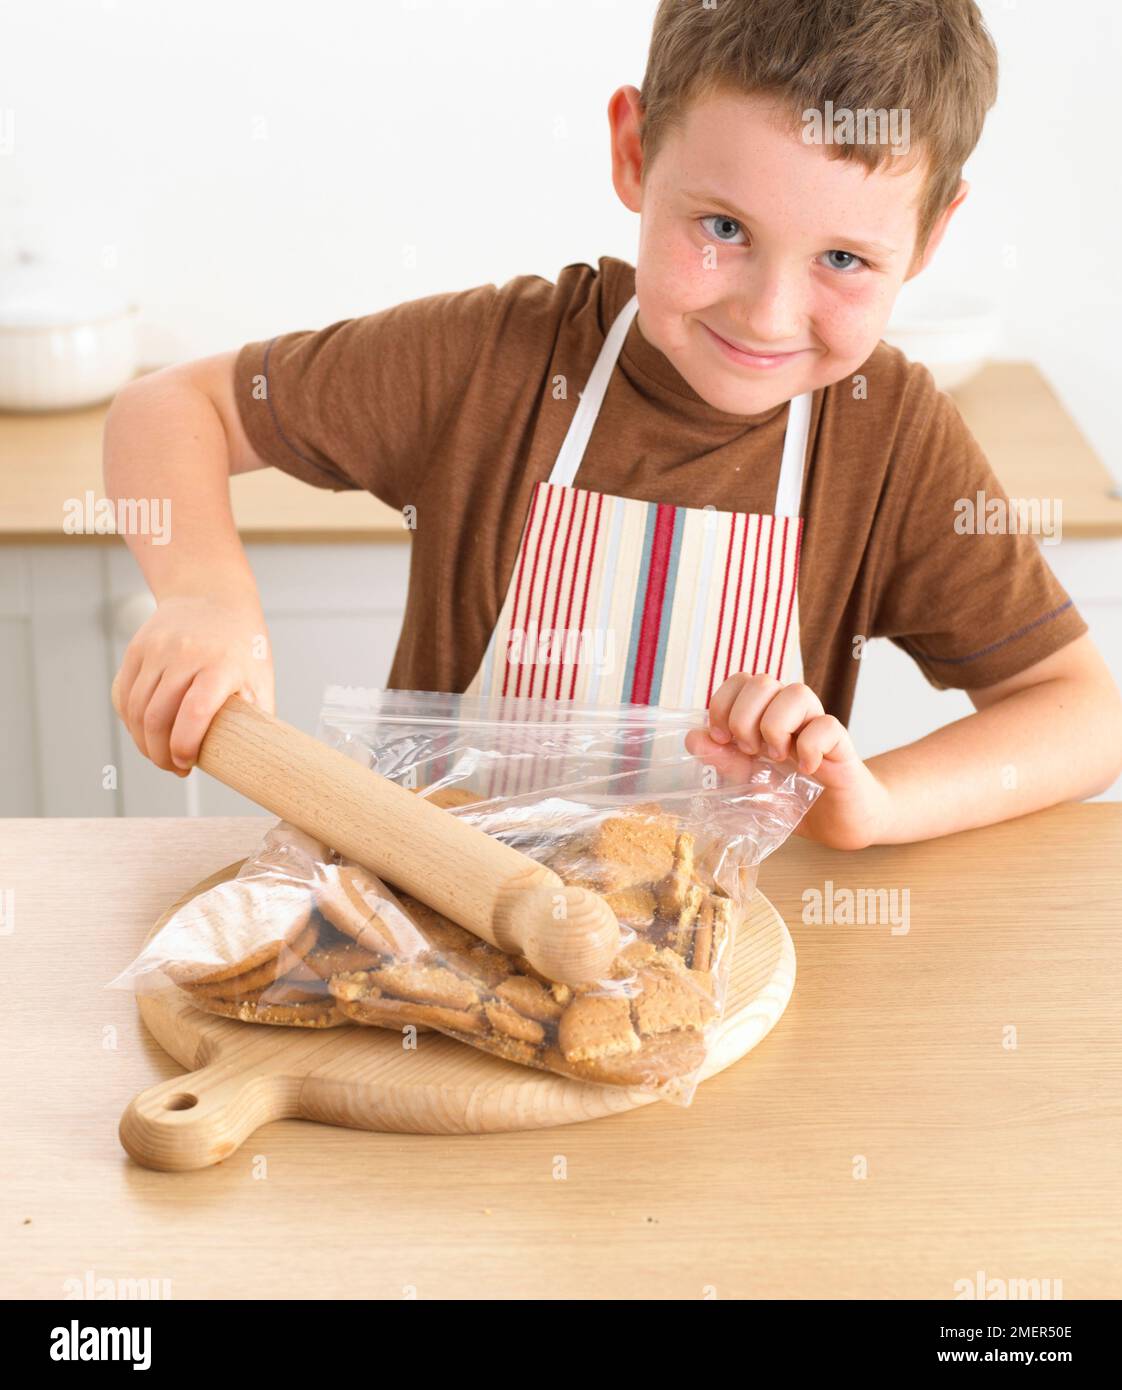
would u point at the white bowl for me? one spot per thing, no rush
(64, 342)
(953, 338)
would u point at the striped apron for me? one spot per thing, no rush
(618, 601)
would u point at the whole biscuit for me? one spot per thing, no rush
(280, 965)
(233, 928)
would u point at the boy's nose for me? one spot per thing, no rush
(771, 311)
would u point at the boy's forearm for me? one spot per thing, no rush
(164, 442)
(1040, 746)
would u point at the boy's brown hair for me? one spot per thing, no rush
(933, 59)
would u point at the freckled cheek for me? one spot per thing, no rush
(673, 280)
(848, 326)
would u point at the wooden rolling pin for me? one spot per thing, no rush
(569, 934)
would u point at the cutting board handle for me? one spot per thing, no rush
(199, 1119)
(569, 934)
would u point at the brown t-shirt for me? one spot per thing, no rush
(456, 404)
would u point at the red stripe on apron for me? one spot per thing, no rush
(578, 574)
(588, 581)
(546, 669)
(539, 615)
(794, 592)
(721, 613)
(518, 585)
(530, 592)
(778, 597)
(736, 602)
(751, 592)
(763, 601)
(653, 604)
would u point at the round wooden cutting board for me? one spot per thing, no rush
(242, 1075)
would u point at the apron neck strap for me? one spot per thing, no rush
(588, 407)
(789, 493)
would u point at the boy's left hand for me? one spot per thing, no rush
(753, 716)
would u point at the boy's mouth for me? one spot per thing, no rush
(747, 357)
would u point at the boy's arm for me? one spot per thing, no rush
(1051, 733)
(175, 435)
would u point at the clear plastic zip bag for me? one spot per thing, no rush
(608, 797)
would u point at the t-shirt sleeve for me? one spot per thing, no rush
(358, 405)
(968, 595)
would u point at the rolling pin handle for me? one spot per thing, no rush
(568, 934)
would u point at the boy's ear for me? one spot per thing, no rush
(625, 117)
(922, 261)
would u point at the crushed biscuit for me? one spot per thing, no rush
(504, 1019)
(596, 1025)
(530, 998)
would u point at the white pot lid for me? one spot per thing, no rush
(43, 296)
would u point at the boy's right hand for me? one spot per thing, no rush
(182, 665)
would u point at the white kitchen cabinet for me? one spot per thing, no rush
(57, 736)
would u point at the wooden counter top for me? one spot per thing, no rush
(45, 459)
(894, 1050)
(1035, 448)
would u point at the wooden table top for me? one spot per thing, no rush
(894, 1053)
(1032, 442)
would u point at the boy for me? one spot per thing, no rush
(767, 484)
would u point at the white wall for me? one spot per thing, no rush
(250, 166)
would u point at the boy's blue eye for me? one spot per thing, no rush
(726, 227)
(847, 260)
